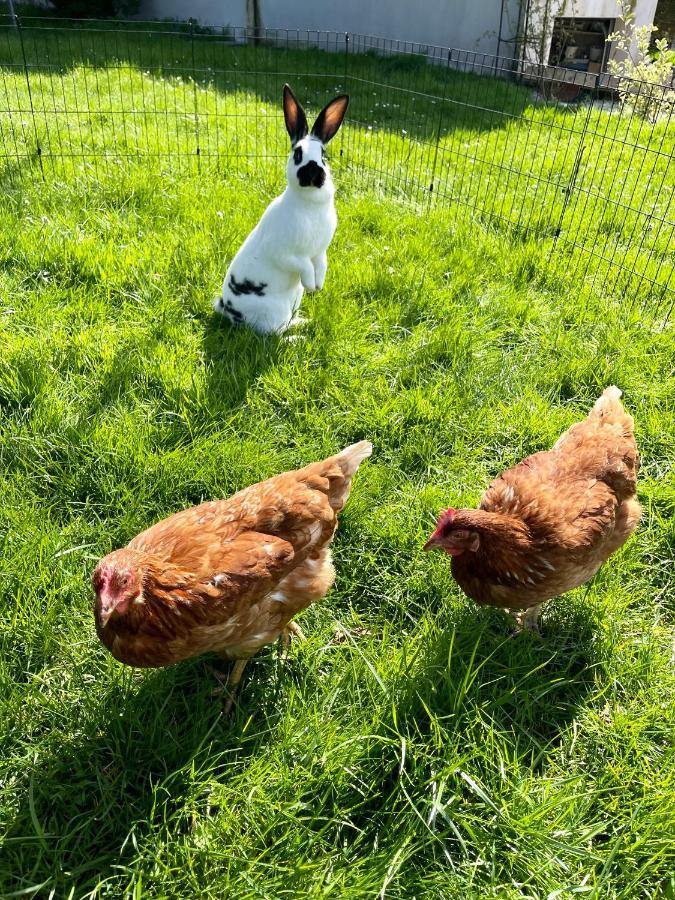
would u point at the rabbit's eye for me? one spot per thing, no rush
(297, 156)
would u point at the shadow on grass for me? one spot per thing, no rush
(389, 90)
(237, 357)
(130, 771)
(481, 674)
(146, 754)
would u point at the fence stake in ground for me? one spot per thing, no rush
(17, 22)
(342, 136)
(194, 92)
(440, 126)
(569, 188)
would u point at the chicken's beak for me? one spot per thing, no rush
(432, 544)
(108, 605)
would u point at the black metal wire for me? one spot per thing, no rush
(480, 133)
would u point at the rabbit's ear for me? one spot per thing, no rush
(294, 114)
(330, 118)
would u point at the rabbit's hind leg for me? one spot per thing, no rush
(296, 318)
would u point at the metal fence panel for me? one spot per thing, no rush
(480, 134)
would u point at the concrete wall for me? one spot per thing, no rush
(466, 24)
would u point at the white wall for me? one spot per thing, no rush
(447, 23)
(465, 24)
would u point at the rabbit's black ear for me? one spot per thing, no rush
(294, 114)
(330, 118)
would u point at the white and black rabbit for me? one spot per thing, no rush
(286, 251)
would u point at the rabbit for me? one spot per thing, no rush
(285, 253)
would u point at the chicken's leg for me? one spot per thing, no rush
(230, 683)
(528, 619)
(233, 682)
(296, 630)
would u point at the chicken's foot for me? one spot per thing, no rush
(291, 629)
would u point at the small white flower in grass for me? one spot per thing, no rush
(403, 131)
(220, 214)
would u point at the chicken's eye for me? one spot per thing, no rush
(124, 581)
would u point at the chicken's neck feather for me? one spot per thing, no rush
(506, 543)
(494, 527)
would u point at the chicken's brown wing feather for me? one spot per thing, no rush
(573, 517)
(201, 538)
(228, 575)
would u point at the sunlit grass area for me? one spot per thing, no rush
(412, 747)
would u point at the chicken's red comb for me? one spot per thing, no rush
(446, 517)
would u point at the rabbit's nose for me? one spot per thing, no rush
(311, 175)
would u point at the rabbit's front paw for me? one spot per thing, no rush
(308, 283)
(320, 264)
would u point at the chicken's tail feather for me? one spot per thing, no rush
(347, 462)
(609, 409)
(351, 457)
(609, 401)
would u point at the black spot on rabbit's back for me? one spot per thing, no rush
(246, 287)
(297, 156)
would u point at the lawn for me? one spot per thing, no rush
(411, 748)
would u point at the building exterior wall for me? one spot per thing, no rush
(488, 26)
(448, 23)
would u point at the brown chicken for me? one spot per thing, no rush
(548, 524)
(226, 576)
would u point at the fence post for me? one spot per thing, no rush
(342, 135)
(194, 92)
(17, 23)
(577, 163)
(440, 125)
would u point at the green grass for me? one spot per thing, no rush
(593, 188)
(411, 748)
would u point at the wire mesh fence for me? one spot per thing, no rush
(483, 135)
